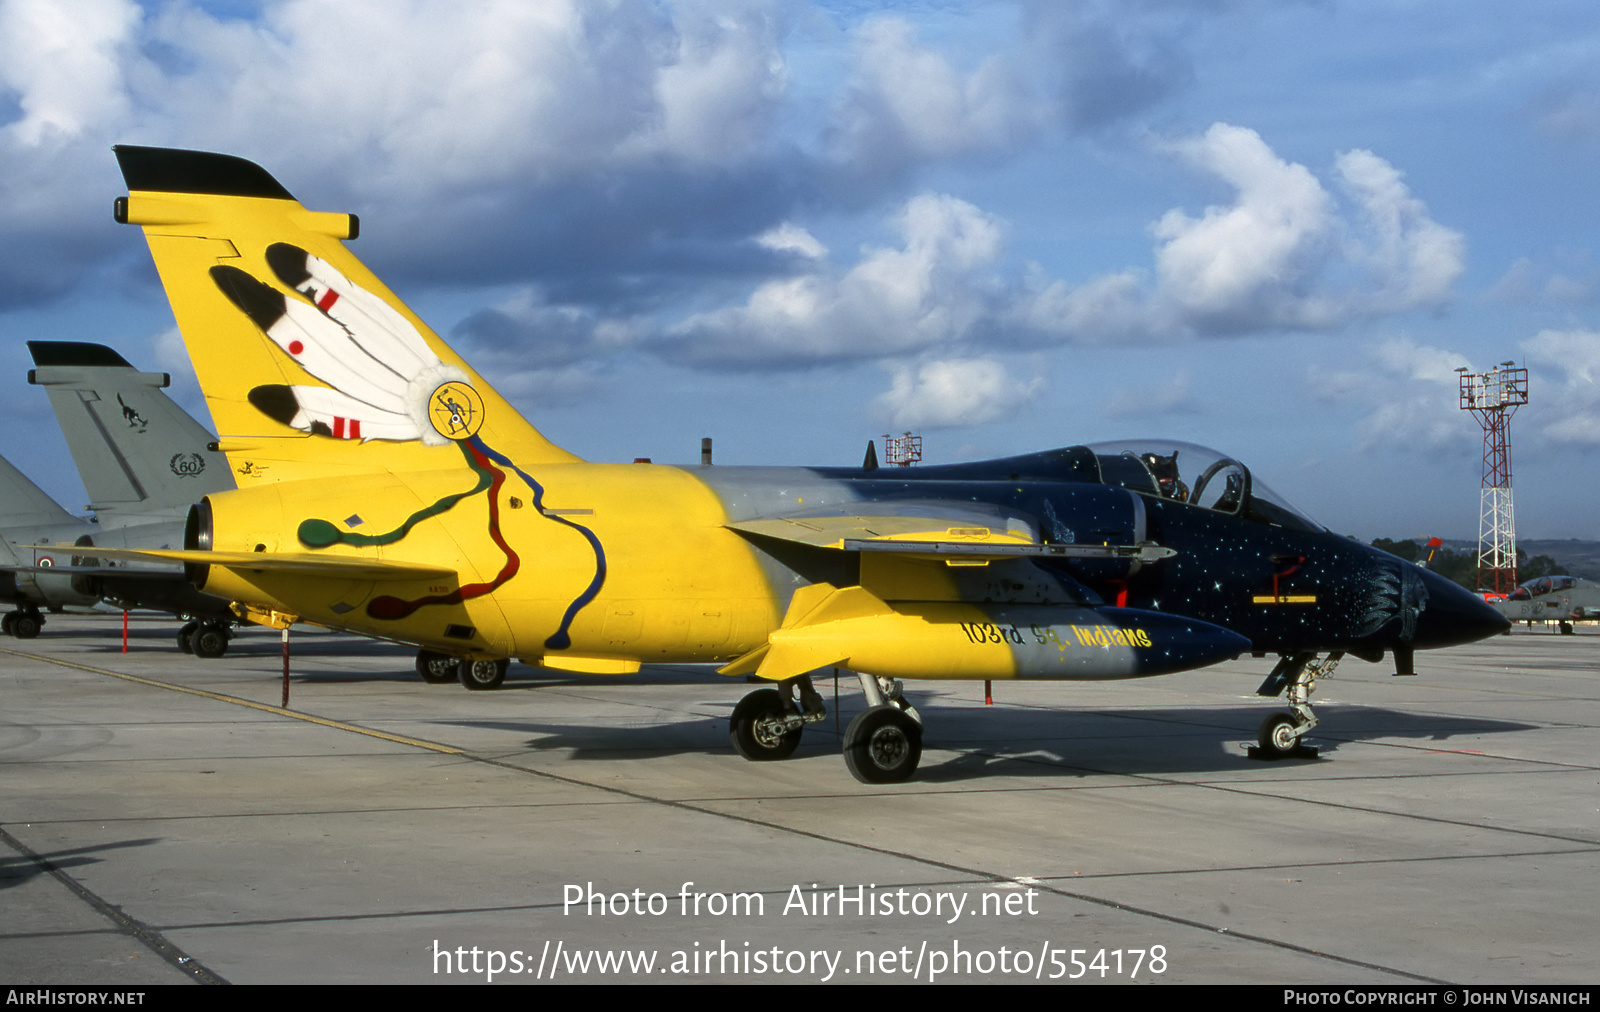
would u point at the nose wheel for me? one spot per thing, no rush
(1280, 734)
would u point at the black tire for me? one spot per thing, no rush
(1277, 737)
(186, 636)
(883, 745)
(751, 731)
(1566, 628)
(436, 668)
(481, 675)
(209, 641)
(25, 627)
(5, 623)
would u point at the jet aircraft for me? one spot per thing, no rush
(31, 526)
(1560, 599)
(143, 462)
(387, 489)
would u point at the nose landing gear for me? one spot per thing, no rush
(1281, 733)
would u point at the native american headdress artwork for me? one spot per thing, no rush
(383, 381)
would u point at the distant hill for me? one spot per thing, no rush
(1581, 558)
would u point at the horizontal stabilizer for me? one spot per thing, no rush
(318, 565)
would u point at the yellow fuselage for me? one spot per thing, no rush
(673, 583)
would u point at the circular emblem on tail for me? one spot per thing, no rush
(455, 409)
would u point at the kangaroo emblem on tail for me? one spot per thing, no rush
(132, 417)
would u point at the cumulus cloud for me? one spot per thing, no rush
(788, 237)
(1564, 386)
(1412, 361)
(1240, 264)
(64, 64)
(1411, 259)
(1286, 254)
(544, 352)
(928, 292)
(952, 392)
(509, 139)
(1410, 393)
(1573, 279)
(909, 102)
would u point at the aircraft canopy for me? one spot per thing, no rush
(1197, 475)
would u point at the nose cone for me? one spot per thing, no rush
(1454, 615)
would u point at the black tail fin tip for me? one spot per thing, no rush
(74, 353)
(173, 170)
(261, 302)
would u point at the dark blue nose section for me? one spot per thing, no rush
(1454, 615)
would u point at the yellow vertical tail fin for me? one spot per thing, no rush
(310, 365)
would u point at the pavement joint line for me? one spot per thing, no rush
(223, 697)
(1236, 788)
(152, 939)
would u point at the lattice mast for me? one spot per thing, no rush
(902, 451)
(1493, 397)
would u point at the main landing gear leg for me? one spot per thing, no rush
(1281, 732)
(884, 743)
(766, 724)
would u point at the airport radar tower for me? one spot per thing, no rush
(1493, 397)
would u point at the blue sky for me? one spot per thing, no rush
(1271, 228)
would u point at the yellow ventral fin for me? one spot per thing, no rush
(783, 657)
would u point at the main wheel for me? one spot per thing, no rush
(756, 731)
(1565, 627)
(6, 622)
(25, 626)
(209, 641)
(436, 668)
(186, 636)
(1277, 736)
(478, 675)
(883, 745)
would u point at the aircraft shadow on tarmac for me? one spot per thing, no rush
(1032, 742)
(15, 869)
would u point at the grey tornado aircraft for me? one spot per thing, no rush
(143, 461)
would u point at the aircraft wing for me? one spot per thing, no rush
(933, 529)
(282, 562)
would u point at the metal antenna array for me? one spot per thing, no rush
(1493, 397)
(902, 451)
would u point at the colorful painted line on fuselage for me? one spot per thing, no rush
(561, 638)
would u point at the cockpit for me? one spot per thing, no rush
(1541, 586)
(1197, 476)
